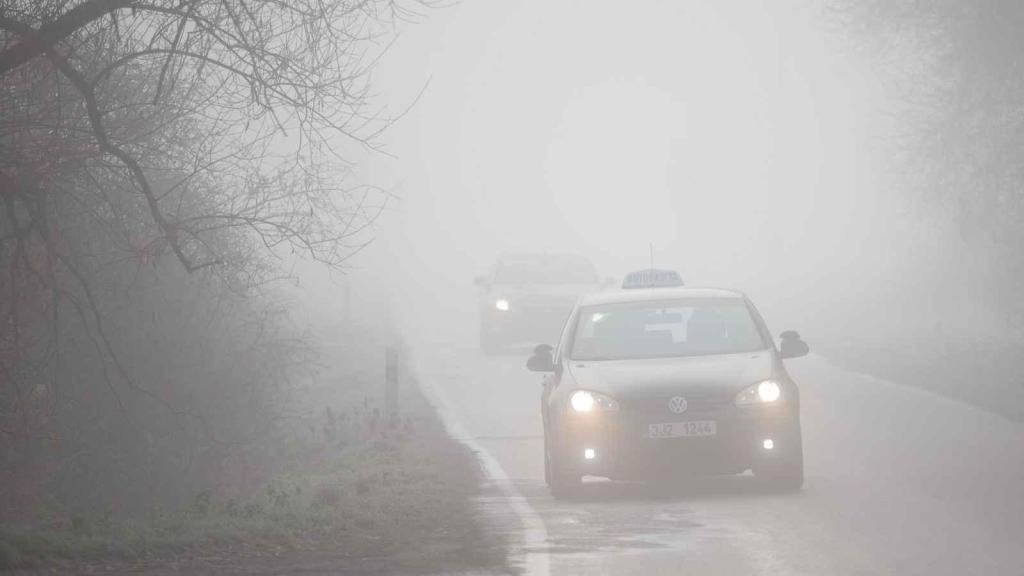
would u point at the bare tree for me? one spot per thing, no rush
(210, 133)
(254, 93)
(957, 68)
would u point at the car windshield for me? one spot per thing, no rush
(546, 270)
(665, 329)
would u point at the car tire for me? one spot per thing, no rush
(787, 475)
(562, 480)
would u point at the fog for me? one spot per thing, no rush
(254, 323)
(743, 144)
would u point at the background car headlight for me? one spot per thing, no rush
(502, 305)
(584, 401)
(766, 392)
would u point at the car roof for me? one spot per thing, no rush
(654, 294)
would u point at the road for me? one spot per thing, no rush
(898, 481)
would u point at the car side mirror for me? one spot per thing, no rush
(541, 360)
(792, 346)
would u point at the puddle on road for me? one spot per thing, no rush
(586, 528)
(622, 517)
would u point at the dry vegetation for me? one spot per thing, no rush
(159, 161)
(354, 495)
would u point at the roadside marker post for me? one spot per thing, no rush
(391, 384)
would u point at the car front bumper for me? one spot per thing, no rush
(617, 445)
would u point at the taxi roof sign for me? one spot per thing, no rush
(652, 278)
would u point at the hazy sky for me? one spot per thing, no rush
(734, 136)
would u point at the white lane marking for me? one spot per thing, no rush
(535, 534)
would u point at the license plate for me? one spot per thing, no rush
(691, 429)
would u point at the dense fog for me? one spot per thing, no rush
(217, 215)
(750, 146)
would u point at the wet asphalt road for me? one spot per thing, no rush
(898, 482)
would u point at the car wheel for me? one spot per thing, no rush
(786, 475)
(563, 481)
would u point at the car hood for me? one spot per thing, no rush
(697, 375)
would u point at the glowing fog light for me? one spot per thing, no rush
(502, 305)
(768, 391)
(582, 401)
(768, 444)
(589, 454)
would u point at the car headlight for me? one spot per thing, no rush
(584, 401)
(502, 305)
(766, 392)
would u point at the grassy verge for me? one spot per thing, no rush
(395, 497)
(985, 374)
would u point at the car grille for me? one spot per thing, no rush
(658, 406)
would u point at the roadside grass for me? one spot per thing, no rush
(403, 492)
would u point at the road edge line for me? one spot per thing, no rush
(534, 532)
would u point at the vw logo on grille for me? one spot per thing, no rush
(677, 404)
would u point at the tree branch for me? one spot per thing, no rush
(35, 43)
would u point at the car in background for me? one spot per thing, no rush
(526, 297)
(651, 382)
